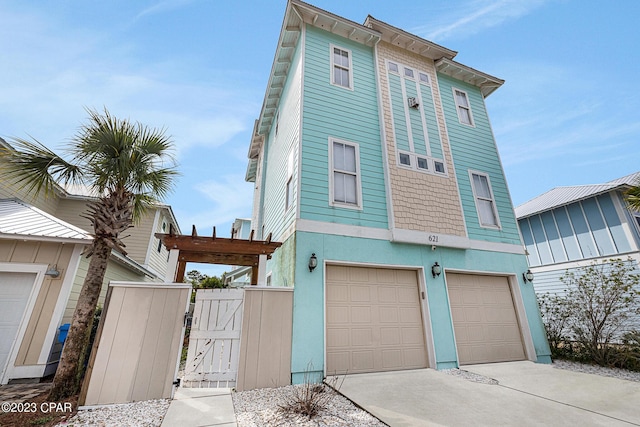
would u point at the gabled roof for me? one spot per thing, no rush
(561, 196)
(21, 220)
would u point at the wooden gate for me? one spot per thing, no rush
(214, 342)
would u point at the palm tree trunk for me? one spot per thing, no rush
(69, 374)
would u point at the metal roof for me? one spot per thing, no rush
(561, 196)
(21, 220)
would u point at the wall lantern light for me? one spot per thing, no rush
(436, 270)
(53, 272)
(528, 276)
(313, 262)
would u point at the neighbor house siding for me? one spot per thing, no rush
(31, 252)
(474, 149)
(349, 115)
(585, 229)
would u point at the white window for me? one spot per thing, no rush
(341, 74)
(485, 204)
(424, 78)
(463, 107)
(393, 67)
(405, 159)
(289, 185)
(345, 174)
(423, 163)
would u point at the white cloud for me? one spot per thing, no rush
(232, 198)
(163, 6)
(475, 16)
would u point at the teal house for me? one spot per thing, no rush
(375, 165)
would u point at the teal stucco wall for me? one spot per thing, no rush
(308, 308)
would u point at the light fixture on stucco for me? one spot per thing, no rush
(313, 262)
(436, 270)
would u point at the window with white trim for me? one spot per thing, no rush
(345, 174)
(289, 183)
(485, 203)
(341, 72)
(463, 107)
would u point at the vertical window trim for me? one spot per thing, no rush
(289, 190)
(334, 65)
(458, 107)
(498, 225)
(332, 201)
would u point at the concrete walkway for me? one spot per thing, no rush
(197, 407)
(528, 394)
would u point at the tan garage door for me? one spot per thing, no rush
(484, 319)
(374, 320)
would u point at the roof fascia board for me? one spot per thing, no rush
(488, 85)
(423, 47)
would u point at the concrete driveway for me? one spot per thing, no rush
(527, 394)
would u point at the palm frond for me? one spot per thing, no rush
(35, 168)
(632, 195)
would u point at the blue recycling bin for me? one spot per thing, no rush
(64, 330)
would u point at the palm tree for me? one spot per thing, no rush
(633, 197)
(130, 167)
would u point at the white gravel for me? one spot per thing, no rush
(597, 370)
(258, 408)
(262, 407)
(148, 413)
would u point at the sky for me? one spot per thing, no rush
(566, 115)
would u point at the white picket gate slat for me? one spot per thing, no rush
(214, 341)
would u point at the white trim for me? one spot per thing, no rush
(298, 141)
(61, 303)
(8, 370)
(322, 227)
(383, 136)
(458, 106)
(359, 202)
(172, 285)
(399, 235)
(25, 237)
(634, 255)
(405, 109)
(333, 66)
(493, 200)
(25, 371)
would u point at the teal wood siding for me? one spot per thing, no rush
(428, 107)
(278, 149)
(589, 228)
(474, 148)
(397, 108)
(350, 115)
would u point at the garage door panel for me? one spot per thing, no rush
(389, 304)
(389, 315)
(484, 319)
(359, 293)
(338, 293)
(337, 315)
(361, 337)
(388, 294)
(361, 314)
(338, 337)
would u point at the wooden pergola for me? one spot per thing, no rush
(216, 250)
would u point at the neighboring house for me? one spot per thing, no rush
(571, 227)
(240, 275)
(47, 234)
(373, 157)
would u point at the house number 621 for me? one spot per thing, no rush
(433, 238)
